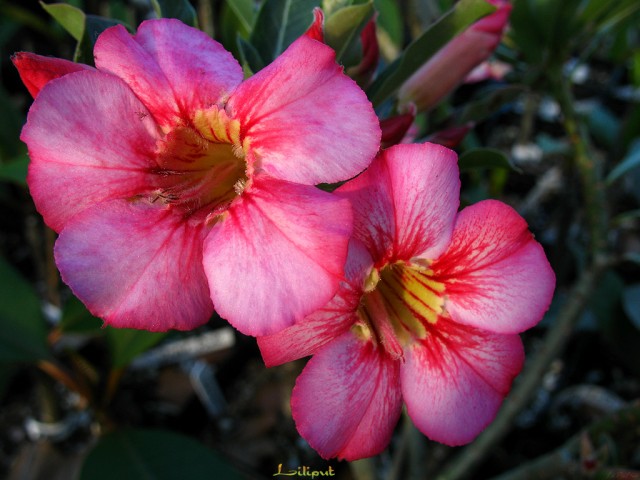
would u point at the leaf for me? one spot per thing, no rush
(94, 26)
(389, 20)
(488, 102)
(244, 13)
(72, 19)
(136, 454)
(484, 158)
(23, 332)
(631, 303)
(342, 32)
(464, 13)
(77, 319)
(127, 343)
(15, 171)
(249, 56)
(180, 9)
(11, 122)
(279, 23)
(628, 163)
(603, 125)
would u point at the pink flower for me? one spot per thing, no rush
(448, 67)
(429, 314)
(177, 187)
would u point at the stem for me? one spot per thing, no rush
(585, 163)
(530, 379)
(557, 336)
(565, 460)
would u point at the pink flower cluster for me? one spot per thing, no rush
(178, 188)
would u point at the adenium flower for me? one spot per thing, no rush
(177, 187)
(428, 315)
(449, 67)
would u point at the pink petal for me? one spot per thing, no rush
(316, 29)
(90, 139)
(326, 324)
(277, 255)
(36, 71)
(173, 68)
(307, 121)
(453, 382)
(497, 276)
(347, 399)
(405, 203)
(136, 266)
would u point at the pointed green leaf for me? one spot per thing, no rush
(484, 158)
(279, 23)
(465, 13)
(342, 32)
(126, 343)
(631, 161)
(154, 454)
(23, 332)
(180, 9)
(72, 19)
(249, 56)
(244, 12)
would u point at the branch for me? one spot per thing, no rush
(566, 460)
(530, 379)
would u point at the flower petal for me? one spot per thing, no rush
(90, 139)
(324, 325)
(405, 203)
(496, 275)
(453, 382)
(307, 121)
(173, 68)
(136, 265)
(277, 255)
(347, 399)
(36, 71)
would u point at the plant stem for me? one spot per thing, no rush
(556, 337)
(559, 333)
(565, 461)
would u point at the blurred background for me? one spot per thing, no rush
(549, 123)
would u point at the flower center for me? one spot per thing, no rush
(202, 167)
(400, 304)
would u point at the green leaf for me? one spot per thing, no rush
(94, 26)
(180, 9)
(127, 343)
(484, 158)
(488, 102)
(631, 303)
(389, 21)
(77, 319)
(11, 122)
(454, 22)
(154, 454)
(244, 12)
(23, 333)
(249, 56)
(628, 163)
(72, 19)
(279, 23)
(342, 32)
(603, 125)
(15, 171)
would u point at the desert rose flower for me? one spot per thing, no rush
(448, 67)
(177, 187)
(429, 314)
